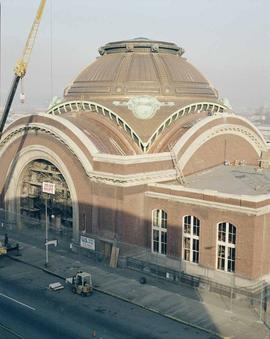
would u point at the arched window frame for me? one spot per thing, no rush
(226, 246)
(159, 231)
(191, 239)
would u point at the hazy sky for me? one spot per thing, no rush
(227, 40)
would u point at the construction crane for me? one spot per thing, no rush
(21, 65)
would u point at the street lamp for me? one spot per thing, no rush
(46, 231)
(47, 188)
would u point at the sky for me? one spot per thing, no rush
(227, 40)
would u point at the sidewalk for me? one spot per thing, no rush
(182, 304)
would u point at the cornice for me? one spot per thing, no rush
(210, 204)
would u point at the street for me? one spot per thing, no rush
(30, 310)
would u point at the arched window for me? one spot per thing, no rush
(191, 238)
(159, 231)
(226, 247)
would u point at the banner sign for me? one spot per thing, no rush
(87, 243)
(48, 187)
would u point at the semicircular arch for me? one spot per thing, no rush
(14, 177)
(82, 105)
(226, 129)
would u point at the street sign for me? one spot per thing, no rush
(48, 187)
(87, 243)
(51, 242)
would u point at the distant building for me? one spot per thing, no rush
(143, 151)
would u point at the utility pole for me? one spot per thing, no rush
(46, 231)
(47, 188)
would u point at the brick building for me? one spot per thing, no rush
(142, 150)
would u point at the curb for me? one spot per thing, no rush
(159, 313)
(37, 267)
(124, 299)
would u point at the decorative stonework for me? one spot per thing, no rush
(90, 106)
(133, 179)
(252, 138)
(34, 128)
(143, 106)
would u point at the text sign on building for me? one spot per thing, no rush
(48, 187)
(88, 243)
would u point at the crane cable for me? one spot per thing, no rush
(51, 49)
(22, 96)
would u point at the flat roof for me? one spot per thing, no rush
(241, 180)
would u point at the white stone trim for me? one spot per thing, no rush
(210, 204)
(249, 198)
(238, 130)
(132, 179)
(194, 107)
(79, 105)
(133, 159)
(74, 129)
(66, 123)
(251, 126)
(209, 119)
(20, 130)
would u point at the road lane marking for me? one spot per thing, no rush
(10, 330)
(16, 301)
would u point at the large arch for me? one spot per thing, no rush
(19, 128)
(25, 157)
(82, 105)
(212, 127)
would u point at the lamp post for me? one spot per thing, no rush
(47, 188)
(46, 232)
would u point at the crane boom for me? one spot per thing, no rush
(20, 68)
(21, 65)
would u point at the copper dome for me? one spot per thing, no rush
(140, 66)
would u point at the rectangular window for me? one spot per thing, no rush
(222, 232)
(195, 250)
(164, 243)
(187, 254)
(159, 231)
(221, 257)
(155, 241)
(164, 223)
(232, 235)
(195, 245)
(187, 243)
(196, 230)
(231, 259)
(187, 228)
(226, 247)
(191, 231)
(231, 253)
(195, 257)
(163, 237)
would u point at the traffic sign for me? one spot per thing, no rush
(48, 187)
(51, 242)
